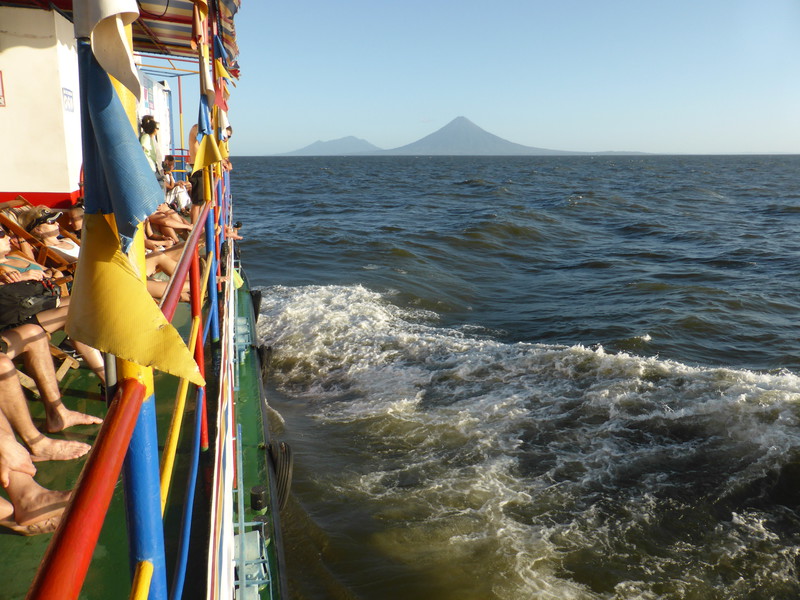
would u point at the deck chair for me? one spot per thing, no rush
(41, 253)
(63, 363)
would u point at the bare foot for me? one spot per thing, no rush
(63, 418)
(39, 504)
(7, 520)
(44, 526)
(45, 448)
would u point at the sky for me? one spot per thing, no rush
(683, 76)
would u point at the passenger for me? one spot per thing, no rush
(30, 342)
(51, 319)
(55, 318)
(42, 223)
(149, 142)
(155, 240)
(177, 192)
(32, 509)
(75, 219)
(17, 244)
(232, 231)
(226, 163)
(196, 179)
(162, 262)
(169, 223)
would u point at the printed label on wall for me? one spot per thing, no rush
(69, 102)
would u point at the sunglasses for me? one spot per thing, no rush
(3, 233)
(47, 218)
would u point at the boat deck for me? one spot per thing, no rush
(108, 576)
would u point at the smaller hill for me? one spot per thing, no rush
(345, 146)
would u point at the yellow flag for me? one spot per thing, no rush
(221, 70)
(112, 311)
(207, 154)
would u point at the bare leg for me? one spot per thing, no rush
(13, 456)
(169, 232)
(157, 290)
(159, 260)
(31, 342)
(54, 319)
(93, 358)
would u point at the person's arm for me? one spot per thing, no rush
(13, 457)
(169, 181)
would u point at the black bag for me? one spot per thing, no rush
(22, 299)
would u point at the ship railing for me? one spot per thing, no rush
(66, 562)
(251, 572)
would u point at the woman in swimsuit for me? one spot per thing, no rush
(41, 223)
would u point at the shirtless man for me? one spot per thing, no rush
(196, 179)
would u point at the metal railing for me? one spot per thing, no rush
(66, 562)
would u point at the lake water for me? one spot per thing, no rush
(533, 377)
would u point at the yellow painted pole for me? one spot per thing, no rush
(171, 444)
(140, 589)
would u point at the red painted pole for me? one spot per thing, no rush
(66, 562)
(199, 353)
(169, 303)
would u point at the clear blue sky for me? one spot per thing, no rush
(679, 76)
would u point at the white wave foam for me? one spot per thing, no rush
(539, 457)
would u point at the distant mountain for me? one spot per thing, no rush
(462, 137)
(459, 137)
(342, 147)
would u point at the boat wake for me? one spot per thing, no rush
(490, 469)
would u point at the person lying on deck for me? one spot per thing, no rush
(157, 241)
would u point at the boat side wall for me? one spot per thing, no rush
(39, 114)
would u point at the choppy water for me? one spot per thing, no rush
(561, 377)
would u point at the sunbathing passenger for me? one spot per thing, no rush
(169, 223)
(47, 231)
(18, 268)
(42, 223)
(18, 244)
(155, 240)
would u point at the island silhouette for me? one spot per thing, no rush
(460, 137)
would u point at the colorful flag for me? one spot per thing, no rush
(208, 153)
(111, 309)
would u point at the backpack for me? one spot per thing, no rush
(21, 300)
